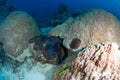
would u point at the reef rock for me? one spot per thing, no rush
(47, 49)
(99, 62)
(93, 27)
(15, 32)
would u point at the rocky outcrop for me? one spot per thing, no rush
(15, 32)
(93, 27)
(98, 62)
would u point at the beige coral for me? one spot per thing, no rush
(99, 62)
(16, 31)
(94, 27)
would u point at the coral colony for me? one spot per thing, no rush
(47, 49)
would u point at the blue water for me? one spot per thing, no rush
(44, 7)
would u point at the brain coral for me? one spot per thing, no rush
(99, 62)
(16, 31)
(93, 27)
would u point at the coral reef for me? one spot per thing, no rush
(93, 27)
(16, 31)
(27, 69)
(47, 49)
(98, 62)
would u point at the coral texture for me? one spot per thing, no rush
(47, 49)
(15, 32)
(99, 62)
(94, 27)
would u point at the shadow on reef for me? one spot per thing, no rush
(48, 49)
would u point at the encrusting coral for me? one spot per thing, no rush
(98, 62)
(47, 49)
(15, 32)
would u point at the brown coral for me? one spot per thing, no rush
(47, 49)
(99, 62)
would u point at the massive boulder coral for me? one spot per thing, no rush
(98, 62)
(15, 32)
(94, 27)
